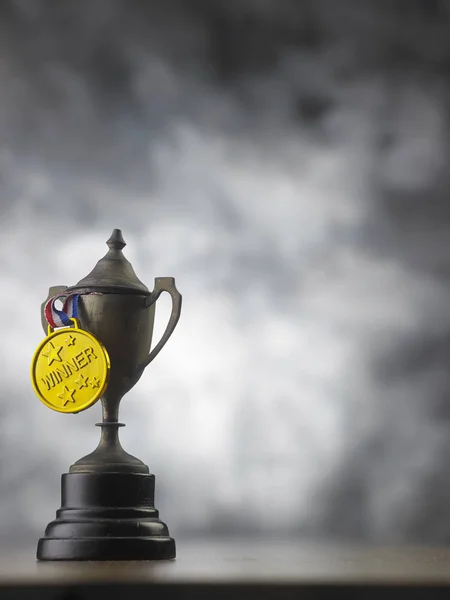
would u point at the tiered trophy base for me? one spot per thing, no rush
(107, 516)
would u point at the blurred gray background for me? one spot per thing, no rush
(286, 162)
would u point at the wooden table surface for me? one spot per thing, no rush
(234, 569)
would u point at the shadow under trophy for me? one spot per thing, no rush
(107, 498)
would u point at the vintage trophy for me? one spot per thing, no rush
(98, 346)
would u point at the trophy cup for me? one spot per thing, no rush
(107, 508)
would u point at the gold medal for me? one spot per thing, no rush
(70, 369)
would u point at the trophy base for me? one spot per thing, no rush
(107, 516)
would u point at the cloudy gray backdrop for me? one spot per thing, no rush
(286, 162)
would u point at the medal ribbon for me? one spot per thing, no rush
(61, 318)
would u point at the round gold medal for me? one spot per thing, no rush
(70, 369)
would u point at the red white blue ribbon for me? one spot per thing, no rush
(61, 318)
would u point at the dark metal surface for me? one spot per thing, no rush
(121, 315)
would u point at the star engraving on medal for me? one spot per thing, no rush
(82, 381)
(95, 383)
(67, 395)
(52, 353)
(70, 341)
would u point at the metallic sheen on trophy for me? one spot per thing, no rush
(97, 347)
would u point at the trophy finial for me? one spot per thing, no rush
(116, 241)
(113, 273)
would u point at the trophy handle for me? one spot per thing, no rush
(164, 284)
(55, 289)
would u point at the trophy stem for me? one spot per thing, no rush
(110, 410)
(109, 437)
(109, 456)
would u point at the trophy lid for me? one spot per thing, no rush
(113, 273)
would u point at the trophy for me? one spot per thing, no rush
(97, 347)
